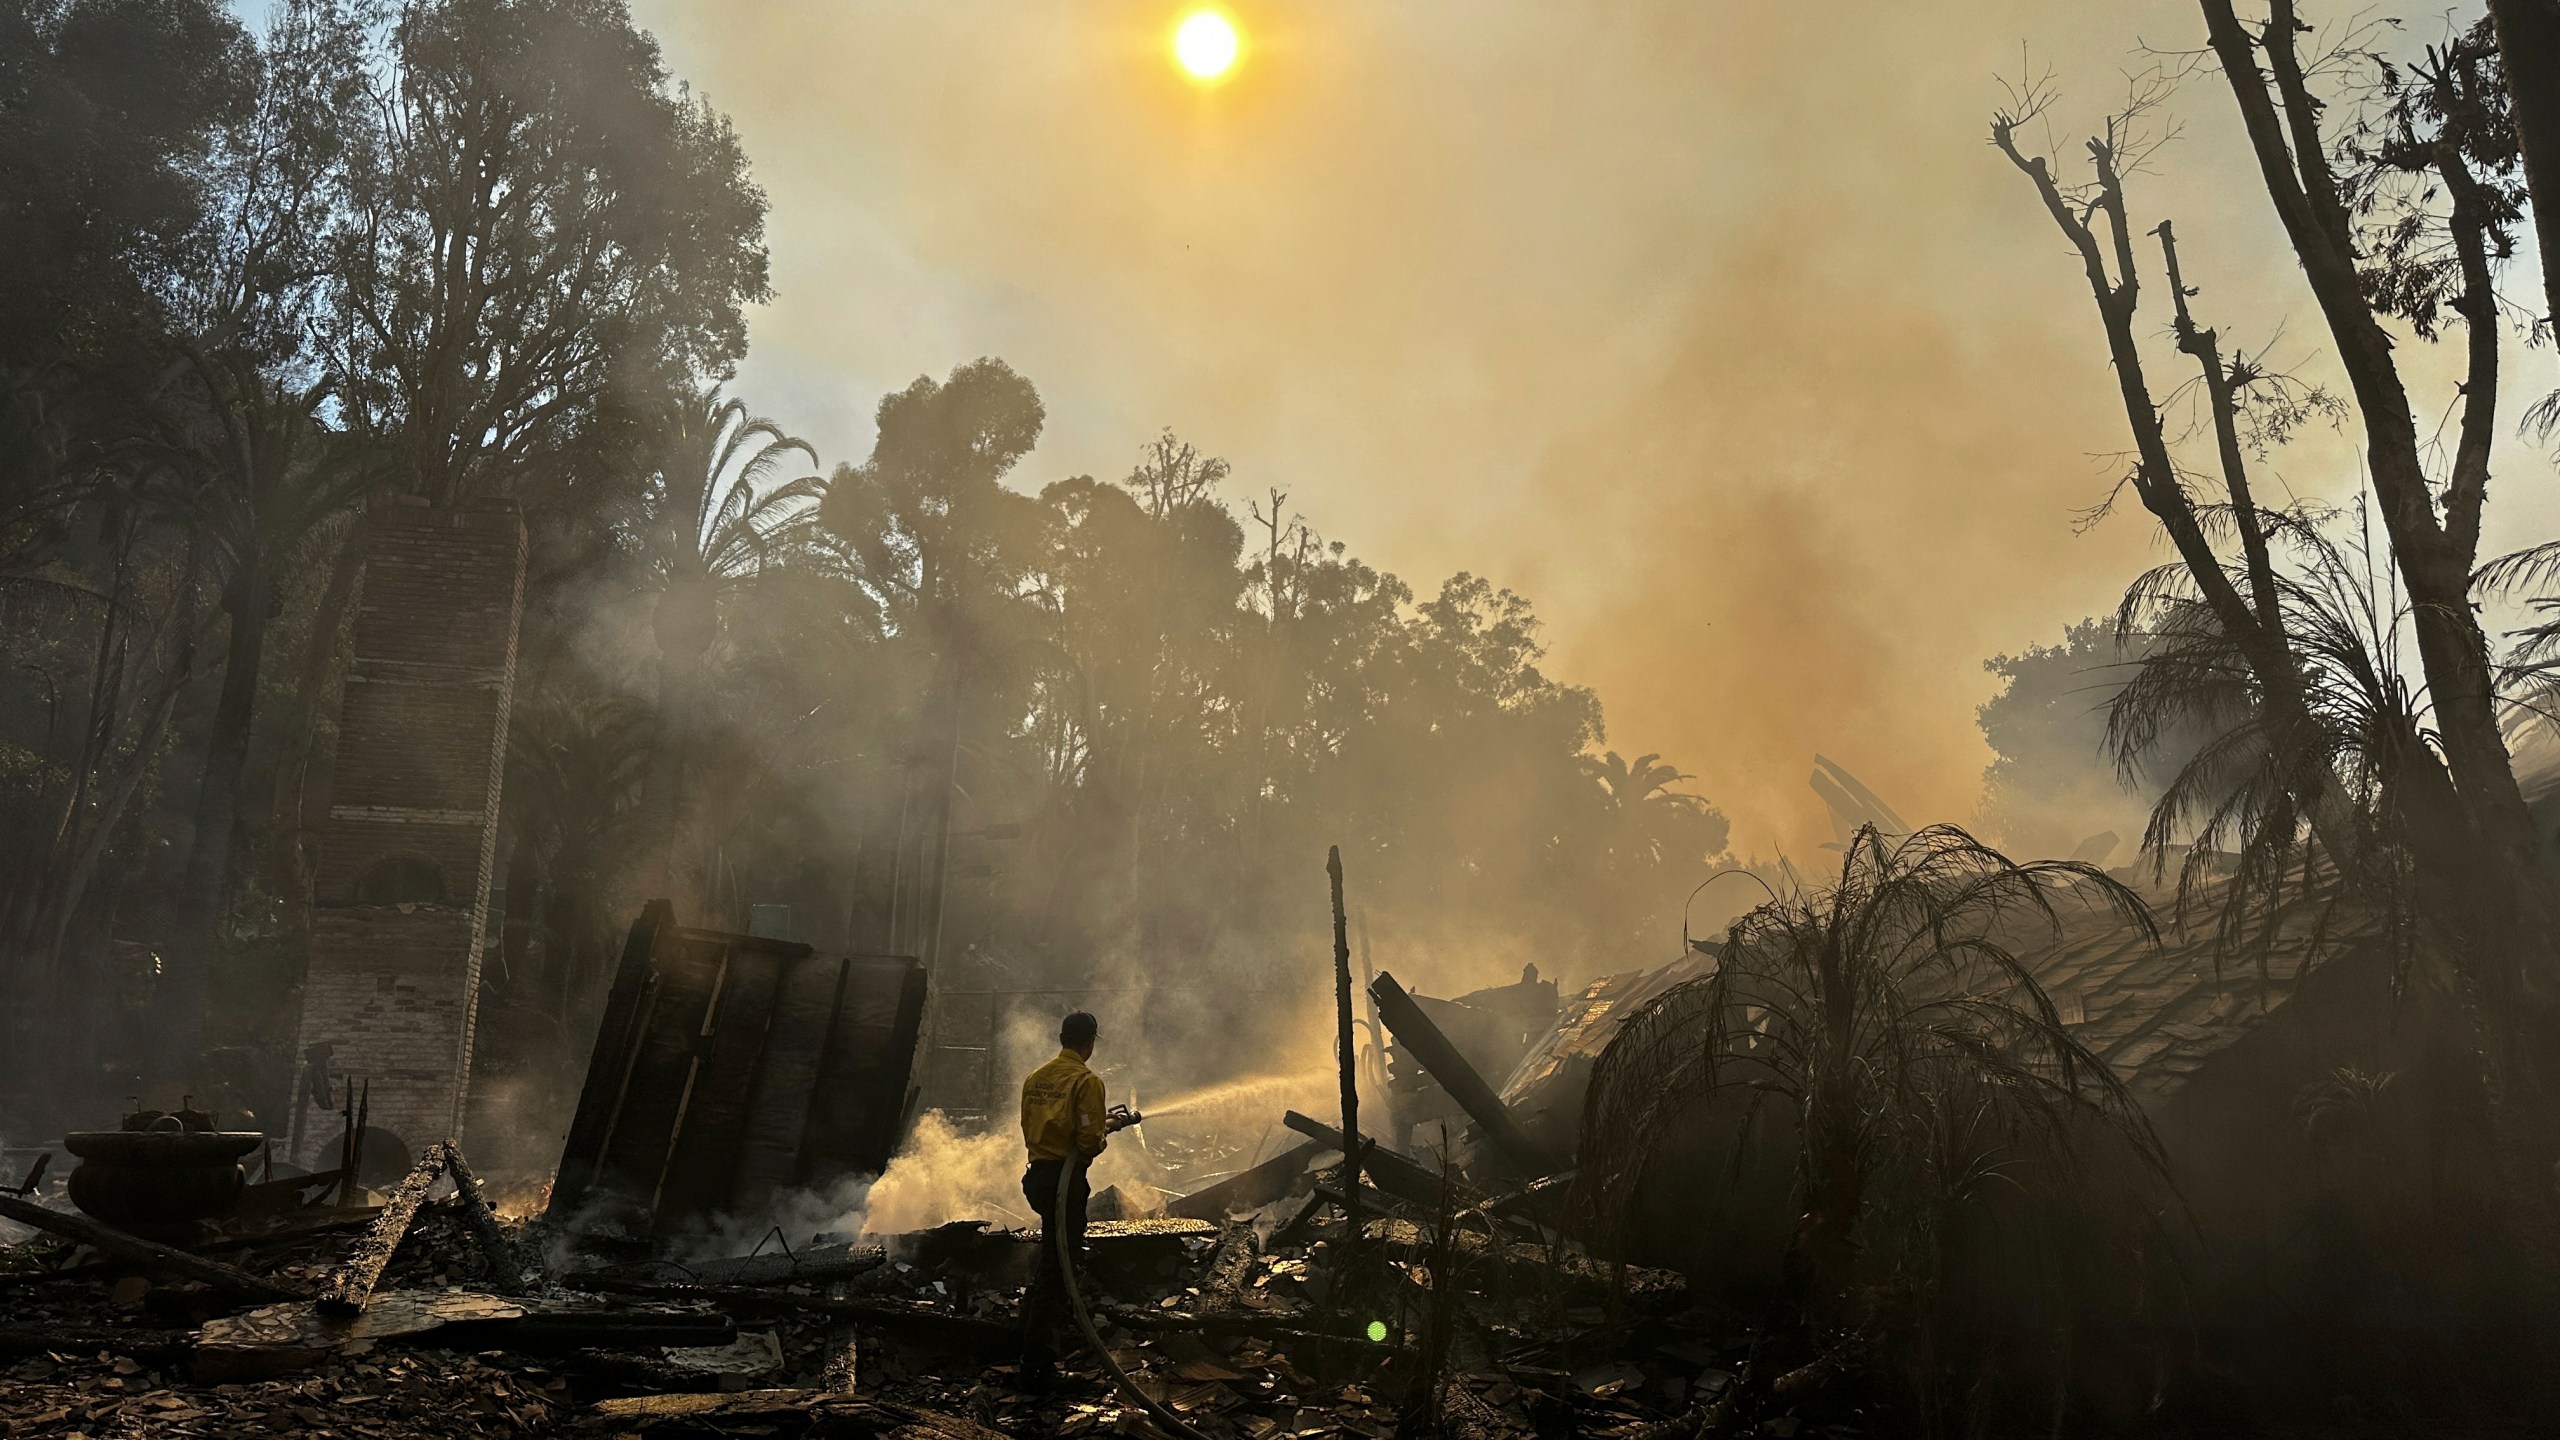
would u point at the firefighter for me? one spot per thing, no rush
(1064, 1123)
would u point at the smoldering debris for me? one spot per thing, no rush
(443, 1318)
(1271, 1304)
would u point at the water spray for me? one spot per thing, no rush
(1232, 1092)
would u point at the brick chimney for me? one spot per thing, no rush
(405, 853)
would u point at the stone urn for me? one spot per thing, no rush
(161, 1174)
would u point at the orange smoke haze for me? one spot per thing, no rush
(1717, 330)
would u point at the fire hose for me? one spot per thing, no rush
(1068, 1175)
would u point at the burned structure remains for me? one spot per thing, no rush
(729, 1067)
(405, 854)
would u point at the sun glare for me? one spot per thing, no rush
(1205, 45)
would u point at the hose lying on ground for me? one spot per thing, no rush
(1068, 1175)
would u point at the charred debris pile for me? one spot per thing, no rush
(1338, 1286)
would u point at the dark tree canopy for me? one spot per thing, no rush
(108, 112)
(542, 214)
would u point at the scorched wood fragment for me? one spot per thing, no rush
(352, 1282)
(495, 1252)
(1456, 1076)
(798, 1412)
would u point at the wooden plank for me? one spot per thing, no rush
(671, 1047)
(89, 1232)
(860, 1110)
(915, 1322)
(778, 1111)
(1399, 1175)
(702, 1167)
(1409, 1025)
(351, 1284)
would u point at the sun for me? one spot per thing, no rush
(1206, 45)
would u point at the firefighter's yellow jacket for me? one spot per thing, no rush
(1062, 1102)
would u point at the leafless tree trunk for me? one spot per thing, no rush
(2476, 853)
(2434, 553)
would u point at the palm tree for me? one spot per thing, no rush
(1901, 1044)
(712, 520)
(2342, 782)
(1645, 780)
(1648, 819)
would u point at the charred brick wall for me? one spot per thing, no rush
(406, 853)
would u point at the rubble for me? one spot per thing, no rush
(1251, 1325)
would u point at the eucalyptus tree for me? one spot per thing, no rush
(938, 547)
(540, 209)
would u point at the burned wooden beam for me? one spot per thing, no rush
(1373, 1201)
(1245, 1322)
(1406, 1020)
(151, 1347)
(1246, 1189)
(805, 1268)
(280, 1339)
(351, 1284)
(1398, 1175)
(133, 1247)
(1346, 1055)
(552, 1331)
(810, 1412)
(478, 1218)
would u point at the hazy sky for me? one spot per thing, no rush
(1715, 328)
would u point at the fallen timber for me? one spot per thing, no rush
(1399, 1175)
(89, 1232)
(817, 1412)
(1492, 1118)
(1248, 1189)
(351, 1284)
(759, 1270)
(281, 1339)
(152, 1347)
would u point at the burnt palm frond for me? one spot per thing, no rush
(716, 511)
(1893, 1021)
(2279, 793)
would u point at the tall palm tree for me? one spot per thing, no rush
(719, 512)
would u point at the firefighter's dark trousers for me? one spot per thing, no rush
(1044, 1309)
